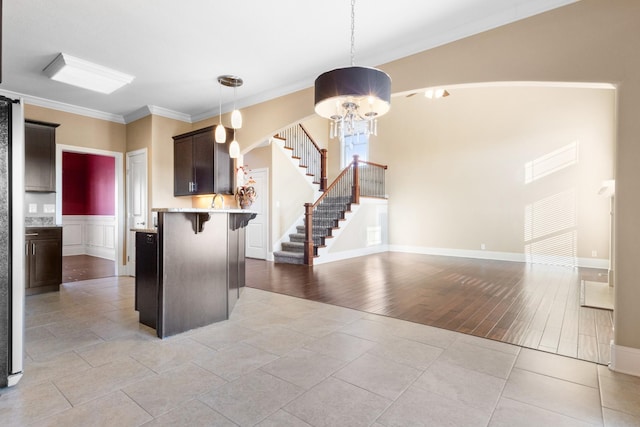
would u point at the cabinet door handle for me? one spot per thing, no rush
(33, 249)
(31, 234)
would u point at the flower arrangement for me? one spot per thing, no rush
(245, 191)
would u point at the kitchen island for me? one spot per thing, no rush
(199, 268)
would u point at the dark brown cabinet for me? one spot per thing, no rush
(146, 296)
(200, 165)
(40, 156)
(43, 261)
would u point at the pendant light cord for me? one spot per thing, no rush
(353, 32)
(220, 104)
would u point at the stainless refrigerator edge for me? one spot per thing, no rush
(12, 243)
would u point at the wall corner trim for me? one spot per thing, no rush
(625, 360)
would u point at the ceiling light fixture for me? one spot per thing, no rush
(436, 93)
(87, 75)
(351, 95)
(236, 117)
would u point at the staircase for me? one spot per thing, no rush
(322, 218)
(330, 211)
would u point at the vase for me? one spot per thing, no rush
(245, 203)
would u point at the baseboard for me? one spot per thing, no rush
(501, 256)
(13, 379)
(106, 253)
(73, 250)
(625, 360)
(338, 256)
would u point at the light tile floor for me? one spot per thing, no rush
(283, 361)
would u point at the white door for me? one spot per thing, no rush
(257, 230)
(137, 215)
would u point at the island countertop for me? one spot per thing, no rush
(192, 268)
(204, 210)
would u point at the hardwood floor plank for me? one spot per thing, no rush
(85, 267)
(531, 305)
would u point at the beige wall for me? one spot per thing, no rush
(459, 163)
(161, 162)
(139, 134)
(262, 121)
(81, 131)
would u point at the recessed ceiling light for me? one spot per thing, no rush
(436, 93)
(78, 72)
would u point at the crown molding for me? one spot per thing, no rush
(67, 108)
(156, 111)
(170, 114)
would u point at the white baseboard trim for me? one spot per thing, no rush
(73, 250)
(337, 256)
(625, 360)
(499, 256)
(106, 253)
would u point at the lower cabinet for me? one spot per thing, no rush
(146, 299)
(43, 261)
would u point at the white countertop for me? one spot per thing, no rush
(204, 210)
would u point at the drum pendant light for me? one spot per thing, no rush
(352, 97)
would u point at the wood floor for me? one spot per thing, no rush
(531, 305)
(85, 267)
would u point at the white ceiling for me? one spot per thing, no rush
(176, 49)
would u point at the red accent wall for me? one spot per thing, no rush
(88, 184)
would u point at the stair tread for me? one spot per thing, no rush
(289, 254)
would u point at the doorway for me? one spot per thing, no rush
(257, 235)
(112, 238)
(137, 196)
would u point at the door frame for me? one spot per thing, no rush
(268, 254)
(118, 196)
(131, 243)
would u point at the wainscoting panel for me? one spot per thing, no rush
(89, 235)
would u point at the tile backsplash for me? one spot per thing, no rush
(39, 209)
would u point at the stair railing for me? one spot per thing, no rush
(314, 158)
(359, 179)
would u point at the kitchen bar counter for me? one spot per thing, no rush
(200, 269)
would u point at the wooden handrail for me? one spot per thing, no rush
(323, 160)
(333, 184)
(310, 207)
(374, 164)
(309, 136)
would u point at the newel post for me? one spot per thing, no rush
(308, 233)
(323, 169)
(355, 198)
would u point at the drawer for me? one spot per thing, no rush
(43, 232)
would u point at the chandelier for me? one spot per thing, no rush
(236, 117)
(352, 97)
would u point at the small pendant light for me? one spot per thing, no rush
(220, 132)
(236, 117)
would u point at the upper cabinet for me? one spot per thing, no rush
(40, 156)
(200, 165)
